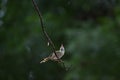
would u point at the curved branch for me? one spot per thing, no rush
(43, 29)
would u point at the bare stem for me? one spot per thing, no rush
(45, 33)
(43, 28)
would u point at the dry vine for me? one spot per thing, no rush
(45, 33)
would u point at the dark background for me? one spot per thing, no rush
(89, 30)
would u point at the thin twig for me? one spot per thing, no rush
(43, 29)
(45, 33)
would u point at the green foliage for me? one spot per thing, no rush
(89, 30)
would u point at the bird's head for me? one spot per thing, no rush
(62, 49)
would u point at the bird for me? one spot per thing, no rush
(53, 57)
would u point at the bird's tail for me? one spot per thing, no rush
(45, 59)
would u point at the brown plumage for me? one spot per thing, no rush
(59, 53)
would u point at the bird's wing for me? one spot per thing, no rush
(53, 53)
(53, 56)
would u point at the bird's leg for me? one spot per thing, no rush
(59, 60)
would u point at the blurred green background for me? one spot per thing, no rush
(89, 30)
